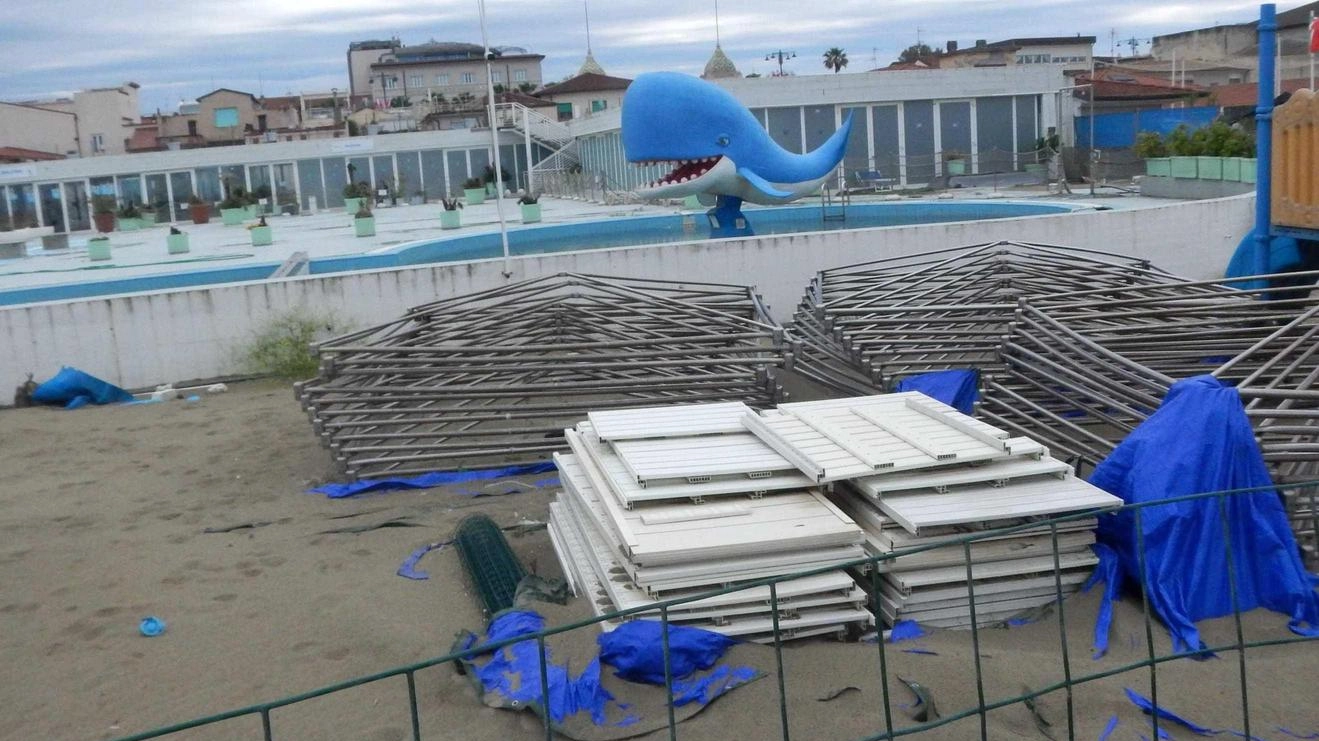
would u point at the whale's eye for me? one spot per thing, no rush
(722, 140)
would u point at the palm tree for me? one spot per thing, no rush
(835, 59)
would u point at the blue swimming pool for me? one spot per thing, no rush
(584, 235)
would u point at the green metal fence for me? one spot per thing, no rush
(1069, 684)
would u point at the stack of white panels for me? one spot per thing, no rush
(914, 472)
(674, 501)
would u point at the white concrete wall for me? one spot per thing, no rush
(147, 339)
(36, 128)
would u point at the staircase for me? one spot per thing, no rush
(546, 132)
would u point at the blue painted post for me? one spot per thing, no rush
(1268, 28)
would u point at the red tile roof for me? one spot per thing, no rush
(587, 83)
(1123, 84)
(20, 154)
(1245, 93)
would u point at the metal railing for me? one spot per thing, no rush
(891, 723)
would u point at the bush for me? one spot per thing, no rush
(283, 347)
(1150, 145)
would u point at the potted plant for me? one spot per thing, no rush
(530, 204)
(103, 213)
(261, 232)
(233, 209)
(474, 191)
(258, 201)
(177, 242)
(491, 185)
(354, 195)
(149, 214)
(129, 218)
(954, 162)
(449, 217)
(199, 210)
(364, 224)
(418, 198)
(98, 248)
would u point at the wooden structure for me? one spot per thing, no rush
(1295, 165)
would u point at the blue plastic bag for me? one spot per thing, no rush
(1200, 440)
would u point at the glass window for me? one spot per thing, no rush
(130, 189)
(409, 175)
(599, 105)
(432, 166)
(336, 177)
(226, 118)
(208, 184)
(519, 75)
(231, 176)
(442, 78)
(75, 195)
(384, 172)
(466, 78)
(98, 143)
(104, 186)
(181, 182)
(414, 80)
(389, 82)
(22, 206)
(496, 76)
(457, 170)
(52, 206)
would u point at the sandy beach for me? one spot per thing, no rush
(103, 520)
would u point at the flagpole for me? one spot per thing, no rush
(494, 143)
(1314, 33)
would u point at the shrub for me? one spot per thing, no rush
(1149, 145)
(282, 348)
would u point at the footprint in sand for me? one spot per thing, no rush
(227, 597)
(251, 573)
(107, 612)
(336, 654)
(273, 561)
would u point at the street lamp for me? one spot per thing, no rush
(494, 140)
(780, 55)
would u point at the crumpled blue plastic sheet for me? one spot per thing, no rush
(635, 650)
(957, 388)
(904, 630)
(1109, 573)
(513, 672)
(429, 480)
(1200, 440)
(1293, 734)
(1163, 713)
(408, 569)
(74, 388)
(707, 689)
(1108, 729)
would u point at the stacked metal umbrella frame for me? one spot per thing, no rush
(492, 378)
(666, 502)
(1076, 348)
(863, 327)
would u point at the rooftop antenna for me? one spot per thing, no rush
(716, 22)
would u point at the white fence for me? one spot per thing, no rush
(140, 340)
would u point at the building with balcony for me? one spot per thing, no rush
(385, 73)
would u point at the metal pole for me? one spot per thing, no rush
(1312, 52)
(526, 140)
(1268, 28)
(494, 142)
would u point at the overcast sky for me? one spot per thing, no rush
(179, 50)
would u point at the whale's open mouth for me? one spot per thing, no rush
(683, 170)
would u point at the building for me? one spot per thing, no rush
(1118, 89)
(585, 95)
(1073, 52)
(1229, 54)
(719, 66)
(383, 73)
(226, 117)
(92, 122)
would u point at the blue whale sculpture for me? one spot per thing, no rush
(716, 146)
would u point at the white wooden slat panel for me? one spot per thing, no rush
(733, 454)
(660, 579)
(907, 580)
(624, 486)
(987, 551)
(987, 587)
(982, 503)
(673, 420)
(784, 522)
(812, 453)
(992, 471)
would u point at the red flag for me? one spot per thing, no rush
(1314, 36)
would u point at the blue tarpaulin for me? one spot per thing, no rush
(74, 388)
(1200, 440)
(635, 650)
(428, 480)
(957, 388)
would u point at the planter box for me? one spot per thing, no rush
(262, 236)
(1209, 168)
(1248, 169)
(474, 196)
(451, 219)
(352, 205)
(1232, 169)
(365, 227)
(956, 167)
(129, 225)
(1160, 167)
(691, 202)
(176, 243)
(55, 242)
(98, 249)
(530, 213)
(254, 210)
(199, 212)
(1184, 167)
(232, 216)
